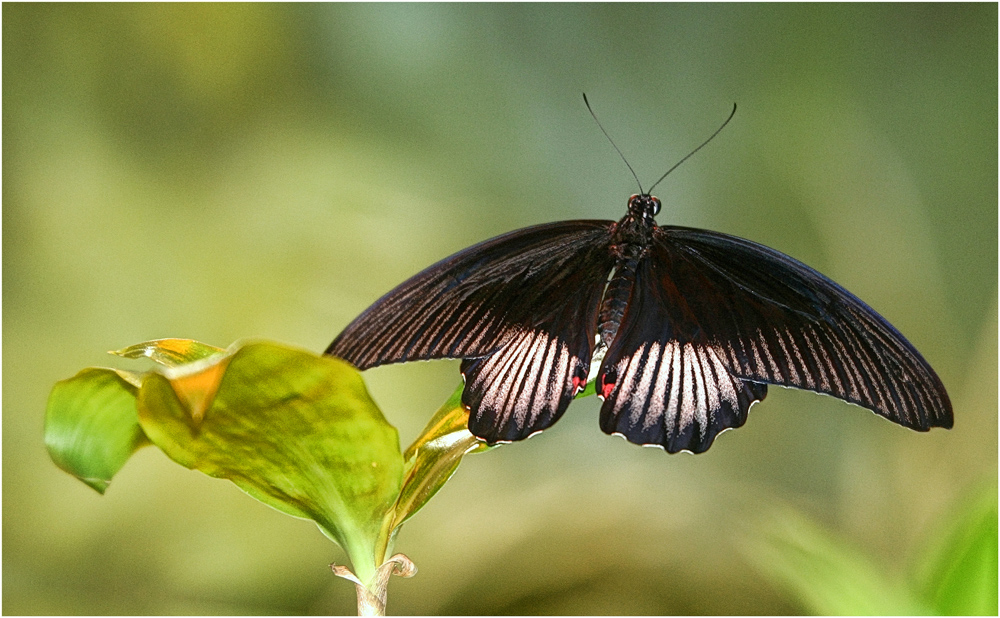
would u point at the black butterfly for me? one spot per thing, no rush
(693, 325)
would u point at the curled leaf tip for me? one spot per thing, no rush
(98, 485)
(341, 570)
(401, 566)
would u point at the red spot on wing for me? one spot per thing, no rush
(606, 389)
(578, 384)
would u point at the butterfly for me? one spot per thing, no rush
(692, 326)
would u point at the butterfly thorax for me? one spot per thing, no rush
(631, 239)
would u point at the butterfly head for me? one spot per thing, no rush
(643, 206)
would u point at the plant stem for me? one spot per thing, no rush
(372, 597)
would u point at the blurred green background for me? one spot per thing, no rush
(226, 171)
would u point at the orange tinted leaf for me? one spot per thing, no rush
(169, 352)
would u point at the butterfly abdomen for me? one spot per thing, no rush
(616, 297)
(631, 239)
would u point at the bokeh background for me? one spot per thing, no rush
(227, 171)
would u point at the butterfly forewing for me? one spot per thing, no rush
(520, 308)
(773, 319)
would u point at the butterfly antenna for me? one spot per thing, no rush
(676, 165)
(587, 103)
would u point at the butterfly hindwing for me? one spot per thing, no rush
(525, 386)
(663, 382)
(521, 309)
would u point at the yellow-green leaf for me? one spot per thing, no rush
(961, 575)
(91, 426)
(434, 456)
(297, 431)
(826, 574)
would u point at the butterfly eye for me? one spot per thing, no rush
(644, 205)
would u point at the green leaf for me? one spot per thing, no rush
(169, 352)
(826, 574)
(91, 426)
(588, 390)
(297, 431)
(434, 456)
(961, 574)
